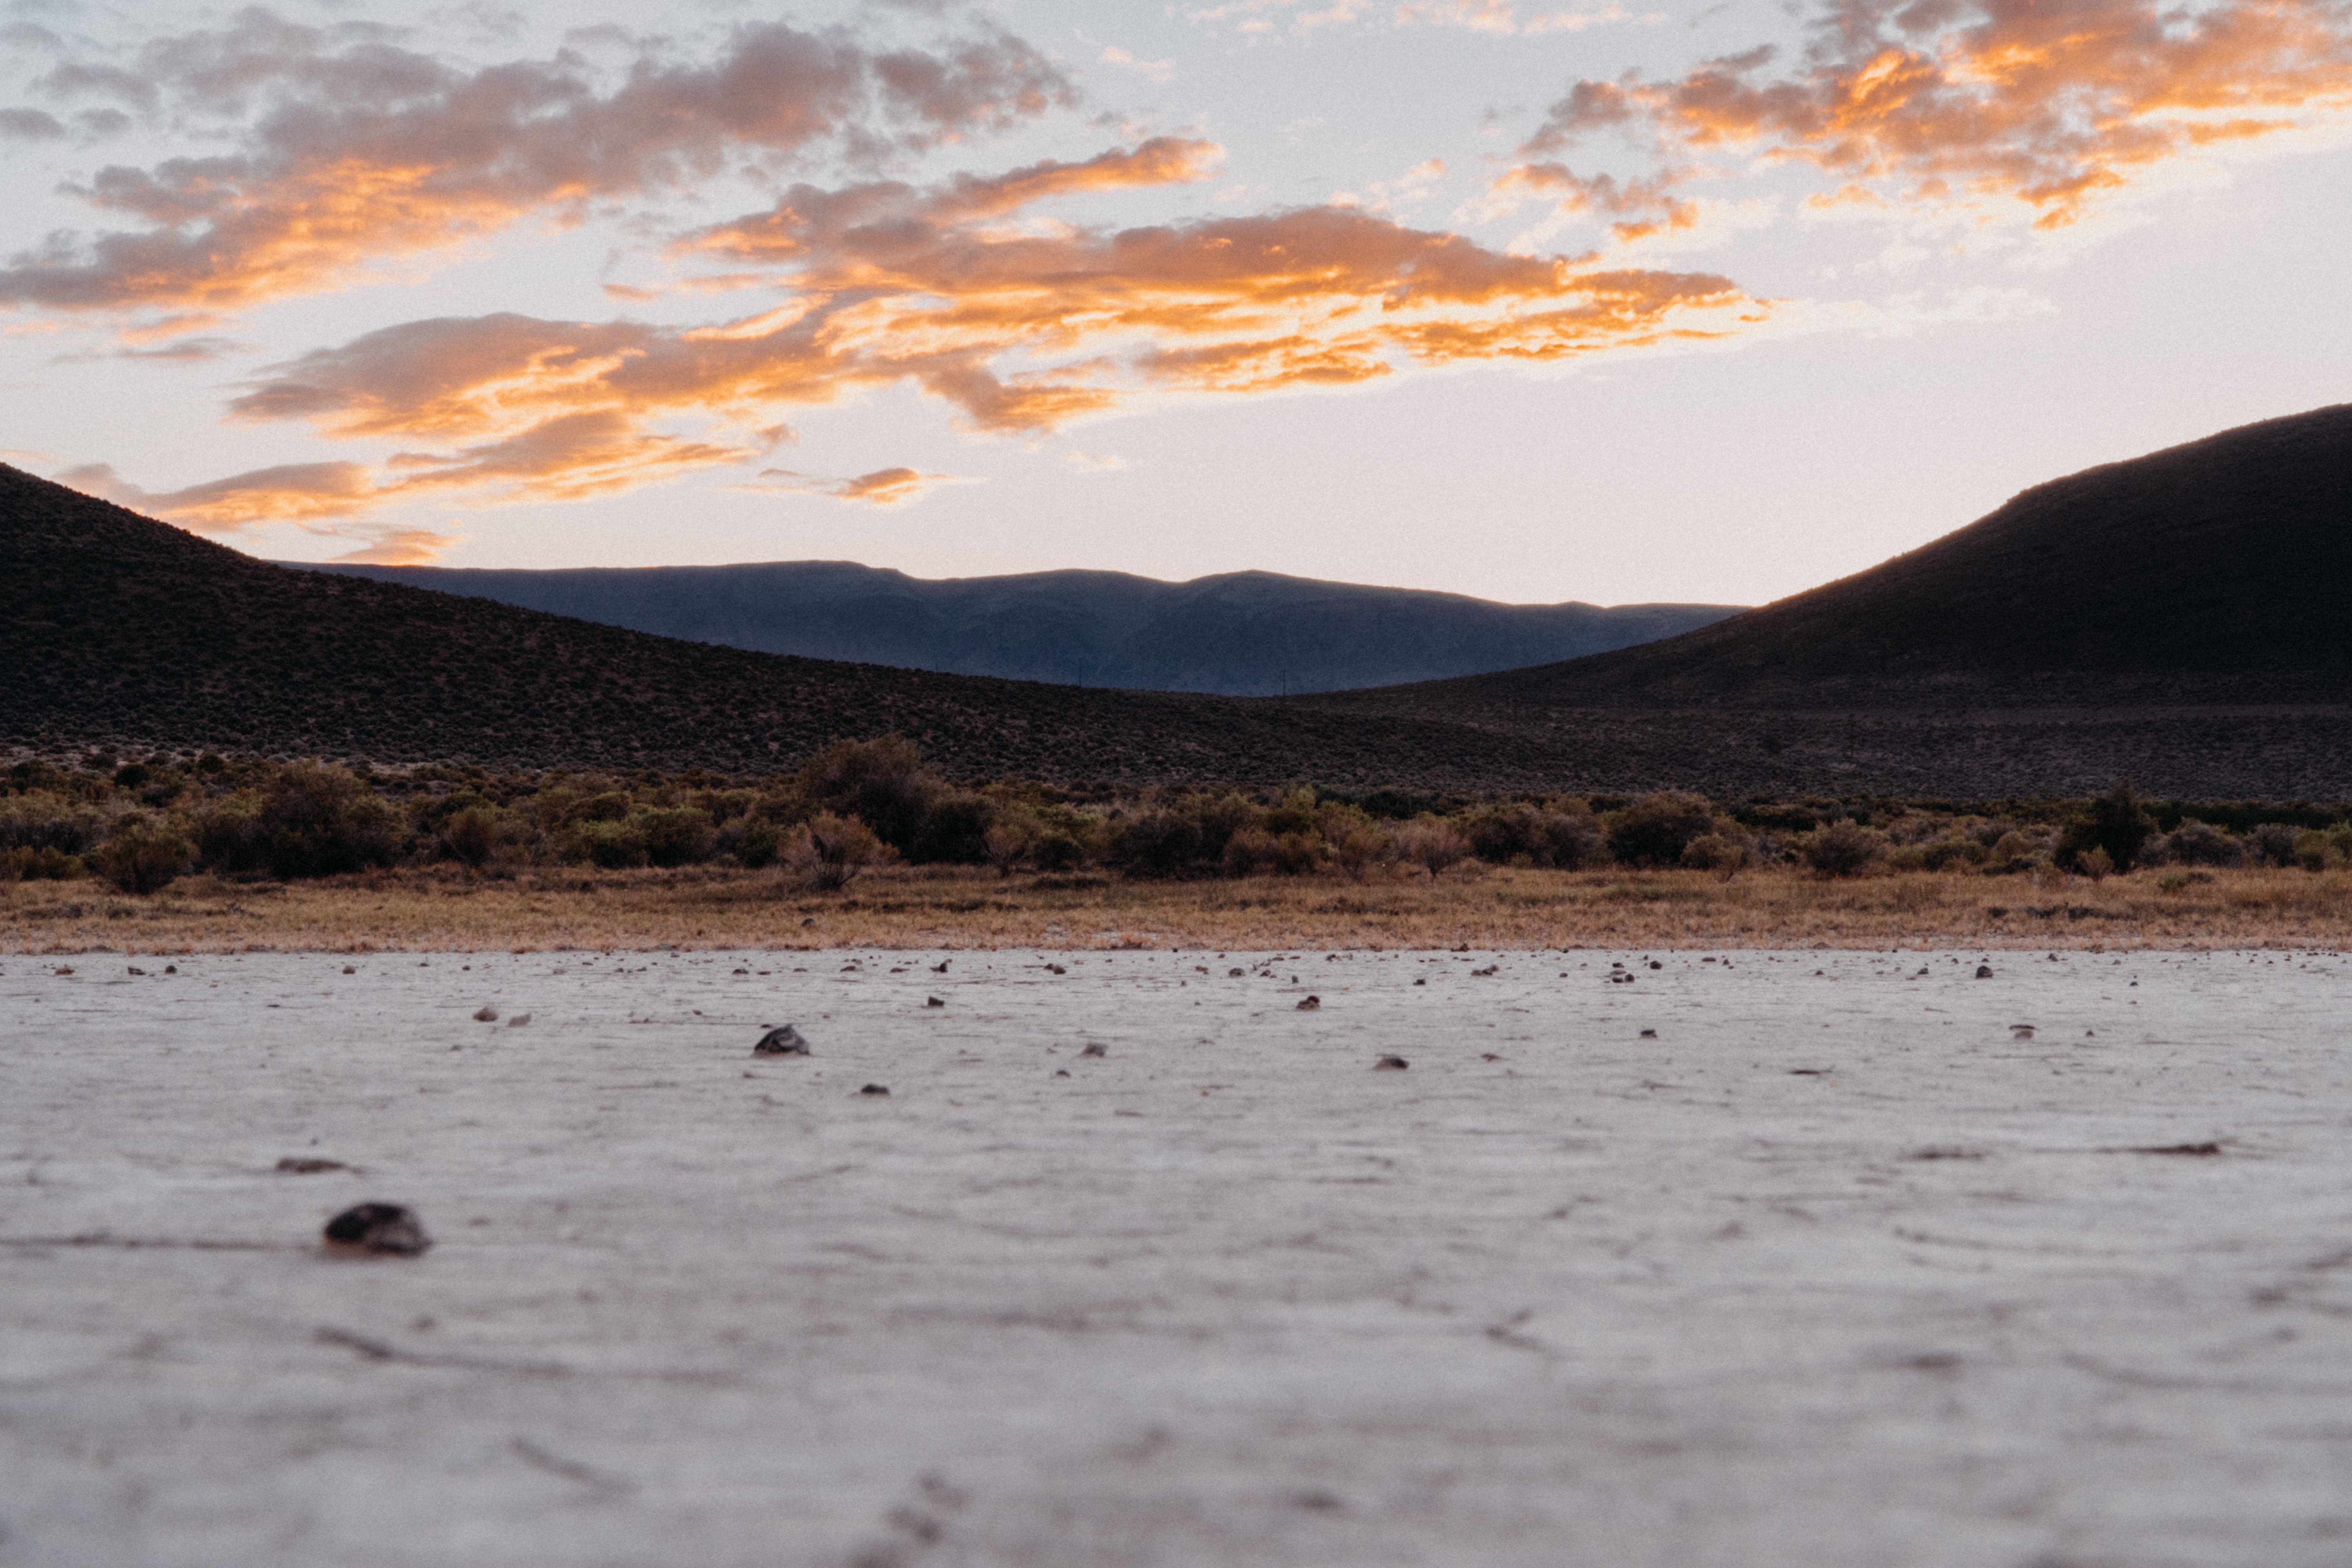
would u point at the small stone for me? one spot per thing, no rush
(1233, 974)
(486, 1015)
(136, 970)
(1649, 1034)
(307, 1165)
(518, 1021)
(64, 968)
(350, 969)
(1391, 1064)
(174, 969)
(1421, 983)
(2021, 1031)
(1095, 1048)
(1984, 972)
(1310, 1004)
(933, 1002)
(376, 1230)
(875, 1088)
(1057, 969)
(1061, 1073)
(785, 1041)
(1656, 964)
(941, 966)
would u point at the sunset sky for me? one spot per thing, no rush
(1707, 302)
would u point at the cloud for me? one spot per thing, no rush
(344, 150)
(2044, 102)
(294, 492)
(1500, 18)
(883, 487)
(401, 547)
(29, 125)
(1020, 324)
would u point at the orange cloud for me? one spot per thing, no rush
(2047, 101)
(1020, 328)
(293, 492)
(348, 151)
(883, 487)
(402, 547)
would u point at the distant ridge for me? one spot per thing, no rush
(2218, 573)
(1241, 633)
(2179, 620)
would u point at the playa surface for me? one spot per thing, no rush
(1839, 1269)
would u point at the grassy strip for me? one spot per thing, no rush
(954, 907)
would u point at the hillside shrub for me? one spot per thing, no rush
(1157, 843)
(48, 821)
(1007, 841)
(470, 837)
(882, 783)
(1655, 829)
(143, 858)
(1716, 852)
(680, 835)
(2272, 843)
(954, 831)
(1057, 849)
(44, 865)
(303, 821)
(1529, 835)
(1431, 843)
(754, 842)
(2195, 843)
(2115, 822)
(1843, 849)
(828, 851)
(610, 846)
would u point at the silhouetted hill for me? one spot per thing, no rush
(2214, 572)
(1242, 633)
(117, 630)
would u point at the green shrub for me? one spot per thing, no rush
(2114, 822)
(753, 843)
(143, 858)
(1431, 843)
(470, 837)
(829, 851)
(680, 836)
(1157, 843)
(1716, 852)
(1843, 849)
(44, 865)
(1057, 850)
(1657, 828)
(48, 821)
(2272, 843)
(954, 831)
(2195, 843)
(304, 821)
(612, 845)
(882, 783)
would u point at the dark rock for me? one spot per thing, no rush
(785, 1041)
(1310, 1004)
(376, 1230)
(301, 1166)
(1391, 1064)
(875, 1088)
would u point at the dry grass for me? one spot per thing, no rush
(942, 908)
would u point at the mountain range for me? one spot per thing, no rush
(1245, 634)
(2177, 619)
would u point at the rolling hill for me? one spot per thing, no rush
(1240, 632)
(2179, 620)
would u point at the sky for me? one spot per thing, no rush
(1585, 299)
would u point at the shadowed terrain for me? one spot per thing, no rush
(1240, 632)
(2179, 620)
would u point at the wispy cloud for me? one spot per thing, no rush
(883, 487)
(344, 150)
(1501, 17)
(2044, 102)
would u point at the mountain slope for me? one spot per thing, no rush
(2215, 573)
(116, 629)
(1242, 633)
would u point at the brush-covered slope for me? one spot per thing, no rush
(119, 630)
(2214, 572)
(1241, 633)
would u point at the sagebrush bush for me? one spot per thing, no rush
(2114, 823)
(44, 820)
(303, 821)
(1657, 828)
(143, 858)
(23, 865)
(828, 851)
(1843, 849)
(2272, 843)
(1431, 843)
(954, 830)
(2195, 843)
(1716, 852)
(884, 784)
(680, 835)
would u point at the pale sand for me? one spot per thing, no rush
(1836, 1272)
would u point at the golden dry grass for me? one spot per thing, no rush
(954, 908)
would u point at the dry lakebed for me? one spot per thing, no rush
(1829, 1259)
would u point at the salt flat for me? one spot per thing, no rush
(1837, 1269)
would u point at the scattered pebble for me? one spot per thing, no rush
(1391, 1064)
(785, 1041)
(136, 970)
(1649, 1034)
(174, 969)
(307, 1165)
(376, 1230)
(2199, 1150)
(518, 1021)
(875, 1088)
(2021, 1031)
(1095, 1048)
(1310, 1004)
(1984, 972)
(1233, 974)
(486, 1015)
(64, 968)
(933, 1002)
(1416, 983)
(941, 966)
(350, 969)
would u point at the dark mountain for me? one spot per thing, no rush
(2214, 572)
(2179, 620)
(1243, 632)
(117, 630)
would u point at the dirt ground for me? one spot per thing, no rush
(1823, 1259)
(953, 908)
